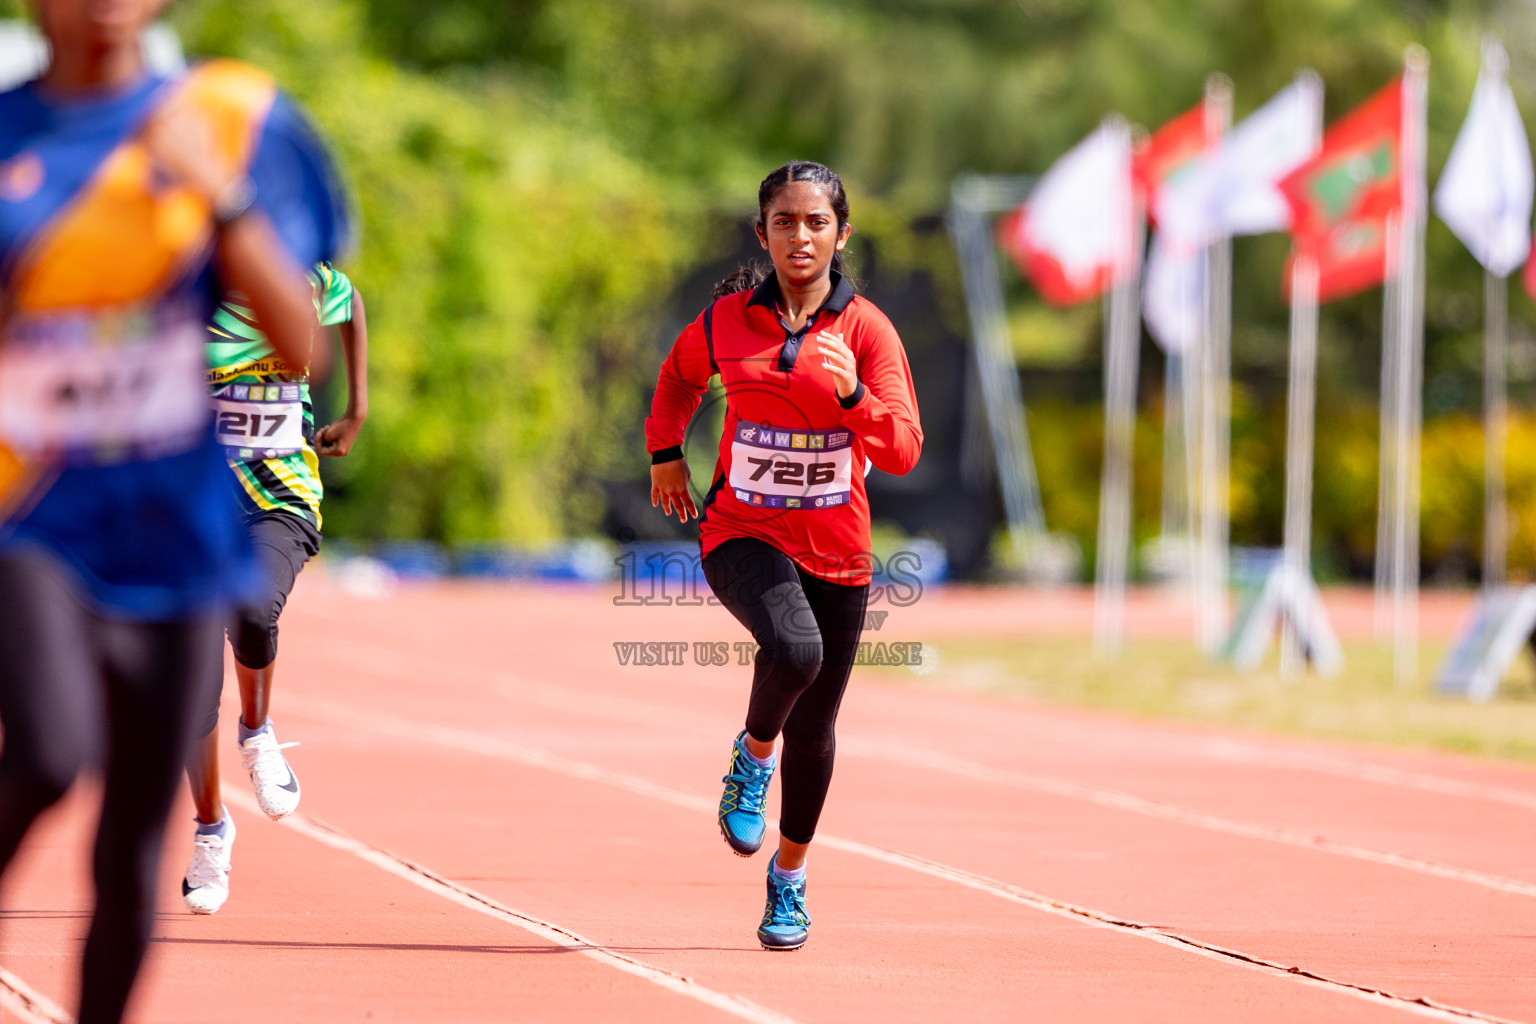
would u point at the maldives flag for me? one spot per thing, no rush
(1341, 199)
(1073, 237)
(1173, 292)
(1173, 148)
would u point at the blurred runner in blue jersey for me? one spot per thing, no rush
(128, 205)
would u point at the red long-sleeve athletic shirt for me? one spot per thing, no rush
(792, 455)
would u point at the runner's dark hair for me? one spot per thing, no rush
(752, 274)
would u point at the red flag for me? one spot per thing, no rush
(1341, 199)
(1171, 149)
(1073, 236)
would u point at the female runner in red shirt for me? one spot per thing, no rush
(784, 528)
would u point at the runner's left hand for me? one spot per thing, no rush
(838, 358)
(337, 438)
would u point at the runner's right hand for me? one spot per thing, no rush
(181, 142)
(669, 489)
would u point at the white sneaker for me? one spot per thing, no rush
(277, 788)
(206, 886)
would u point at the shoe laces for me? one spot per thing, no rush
(210, 861)
(787, 905)
(749, 784)
(263, 759)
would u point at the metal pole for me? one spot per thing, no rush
(1495, 414)
(1174, 523)
(1301, 409)
(1122, 334)
(1389, 435)
(1215, 404)
(1405, 605)
(973, 201)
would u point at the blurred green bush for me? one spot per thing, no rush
(1067, 442)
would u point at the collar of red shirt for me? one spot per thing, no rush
(768, 295)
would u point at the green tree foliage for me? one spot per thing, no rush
(510, 263)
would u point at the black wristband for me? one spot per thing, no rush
(666, 455)
(853, 399)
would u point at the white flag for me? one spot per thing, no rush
(1173, 295)
(1232, 190)
(1485, 192)
(1073, 235)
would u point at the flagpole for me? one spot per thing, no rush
(1301, 413)
(1495, 419)
(1122, 333)
(1410, 370)
(1174, 520)
(1215, 405)
(1389, 435)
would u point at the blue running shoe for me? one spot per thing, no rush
(741, 805)
(786, 924)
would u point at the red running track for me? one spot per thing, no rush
(502, 823)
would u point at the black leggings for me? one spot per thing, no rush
(807, 632)
(78, 689)
(283, 542)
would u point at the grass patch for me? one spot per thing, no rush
(1171, 680)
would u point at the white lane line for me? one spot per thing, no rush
(386, 660)
(431, 881)
(28, 1004)
(935, 761)
(1420, 1006)
(1236, 752)
(904, 754)
(465, 741)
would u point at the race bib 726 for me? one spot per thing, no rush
(776, 467)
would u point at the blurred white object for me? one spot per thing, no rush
(1485, 193)
(1232, 190)
(1080, 215)
(24, 52)
(1174, 299)
(931, 660)
(363, 577)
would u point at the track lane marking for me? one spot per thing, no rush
(425, 878)
(1237, 752)
(380, 657)
(386, 660)
(28, 1004)
(629, 710)
(935, 761)
(466, 741)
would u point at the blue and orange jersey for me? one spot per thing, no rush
(108, 458)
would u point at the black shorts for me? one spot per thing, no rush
(283, 542)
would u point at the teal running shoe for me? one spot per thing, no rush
(741, 805)
(786, 924)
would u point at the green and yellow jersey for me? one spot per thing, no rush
(264, 416)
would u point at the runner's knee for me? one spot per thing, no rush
(792, 663)
(253, 635)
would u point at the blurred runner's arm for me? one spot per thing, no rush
(337, 438)
(252, 260)
(679, 389)
(882, 409)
